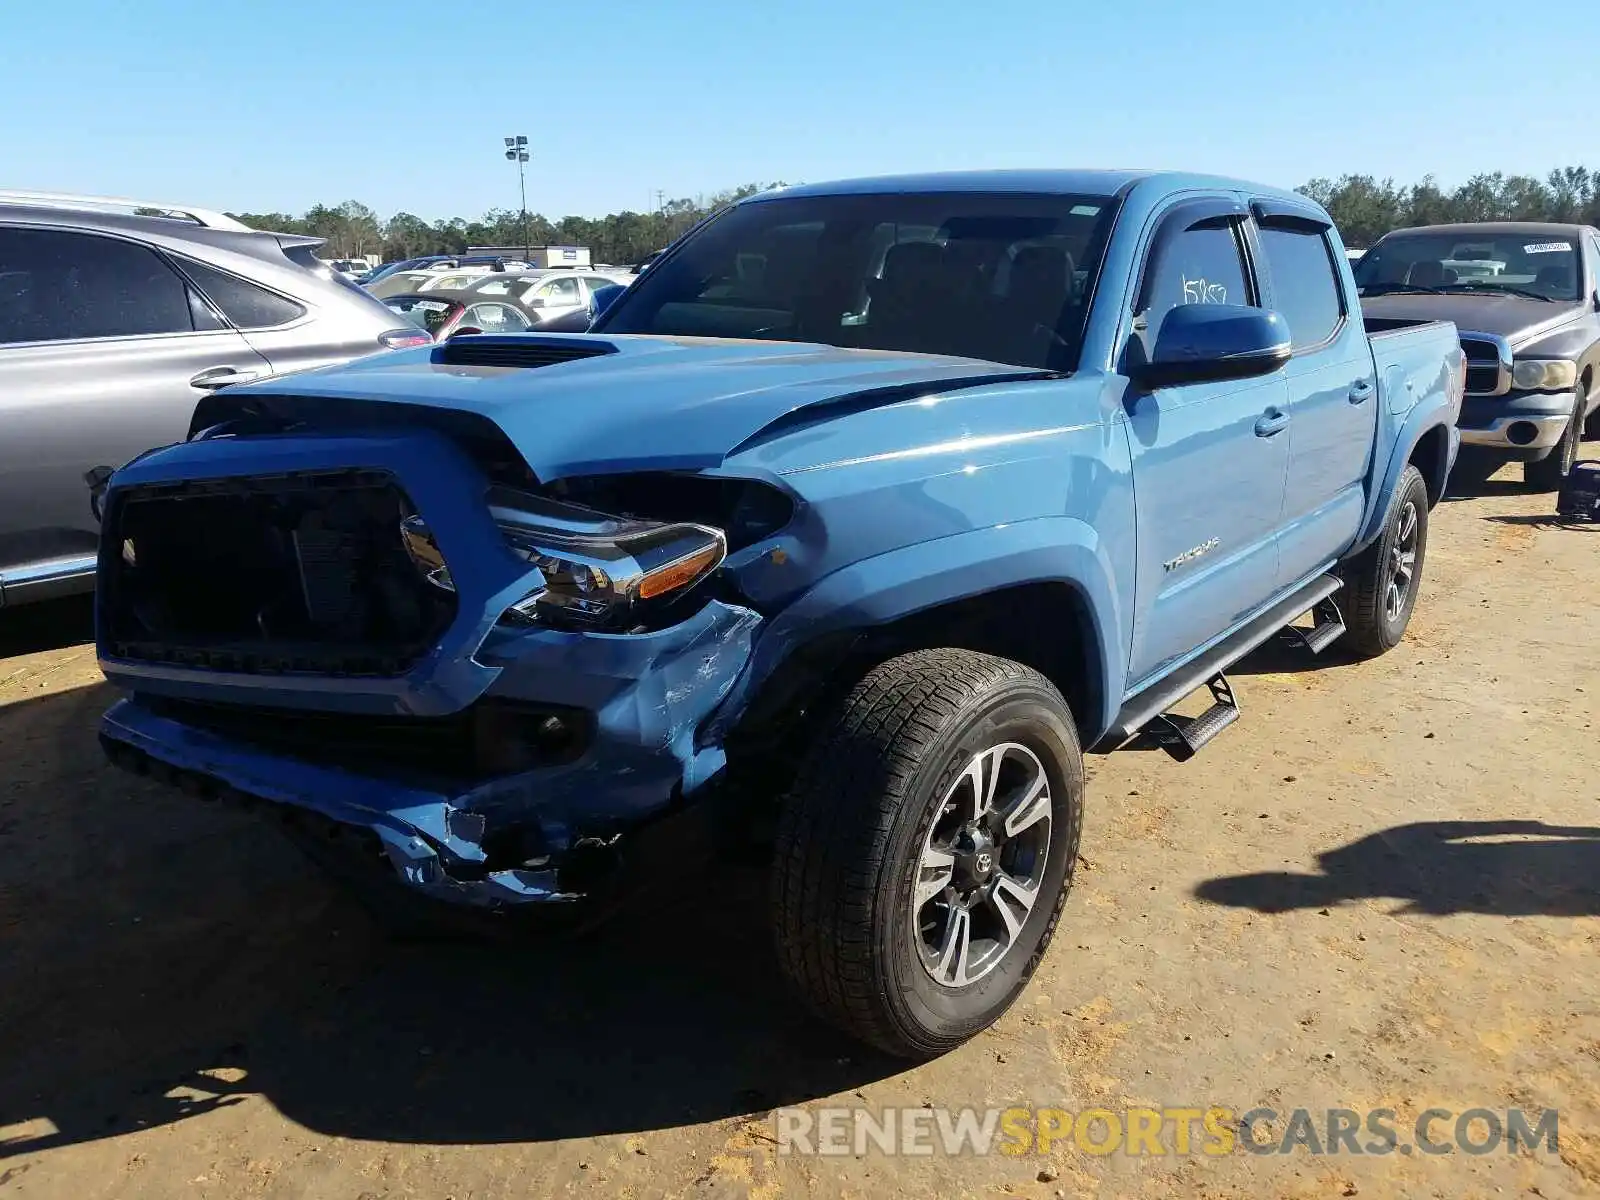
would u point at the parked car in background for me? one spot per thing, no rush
(601, 297)
(553, 295)
(1526, 299)
(399, 282)
(860, 513)
(442, 313)
(350, 268)
(439, 262)
(112, 325)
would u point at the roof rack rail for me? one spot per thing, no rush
(183, 212)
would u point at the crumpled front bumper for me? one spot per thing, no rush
(647, 695)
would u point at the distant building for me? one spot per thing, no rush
(540, 256)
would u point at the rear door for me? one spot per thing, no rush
(104, 350)
(282, 330)
(1333, 395)
(1209, 459)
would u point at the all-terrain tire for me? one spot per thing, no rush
(1374, 623)
(855, 826)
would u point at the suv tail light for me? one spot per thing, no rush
(399, 339)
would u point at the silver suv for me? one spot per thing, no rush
(116, 316)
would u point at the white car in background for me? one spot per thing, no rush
(553, 294)
(348, 267)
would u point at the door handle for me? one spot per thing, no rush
(1271, 422)
(215, 377)
(1361, 391)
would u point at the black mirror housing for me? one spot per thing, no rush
(1199, 343)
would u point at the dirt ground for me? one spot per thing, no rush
(1381, 888)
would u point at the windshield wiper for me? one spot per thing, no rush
(1391, 289)
(1497, 287)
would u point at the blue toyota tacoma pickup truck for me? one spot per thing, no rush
(861, 513)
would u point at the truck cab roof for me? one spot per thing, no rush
(1040, 181)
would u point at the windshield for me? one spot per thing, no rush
(430, 315)
(1543, 265)
(1004, 277)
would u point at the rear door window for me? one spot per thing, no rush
(561, 293)
(245, 304)
(63, 286)
(1304, 288)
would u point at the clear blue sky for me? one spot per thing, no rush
(402, 104)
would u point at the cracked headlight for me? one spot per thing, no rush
(1543, 374)
(601, 572)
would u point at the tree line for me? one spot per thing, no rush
(352, 230)
(1364, 208)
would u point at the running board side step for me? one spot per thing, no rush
(1325, 630)
(1145, 707)
(1183, 737)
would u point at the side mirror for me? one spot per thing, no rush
(605, 297)
(537, 302)
(1199, 343)
(464, 331)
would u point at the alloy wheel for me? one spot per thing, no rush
(1402, 562)
(982, 865)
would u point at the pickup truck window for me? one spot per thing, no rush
(1304, 288)
(1001, 277)
(1198, 266)
(1526, 264)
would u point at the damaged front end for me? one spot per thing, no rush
(497, 688)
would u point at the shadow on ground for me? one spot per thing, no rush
(163, 958)
(1503, 868)
(1466, 488)
(32, 628)
(1545, 521)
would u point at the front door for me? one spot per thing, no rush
(1209, 459)
(1333, 392)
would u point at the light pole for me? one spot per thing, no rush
(517, 152)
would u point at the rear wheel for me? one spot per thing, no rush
(1383, 582)
(1547, 474)
(927, 848)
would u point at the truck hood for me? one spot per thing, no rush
(632, 402)
(1513, 317)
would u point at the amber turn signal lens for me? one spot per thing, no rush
(679, 574)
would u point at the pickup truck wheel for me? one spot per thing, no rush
(1382, 585)
(927, 847)
(1547, 474)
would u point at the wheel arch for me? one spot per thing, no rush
(1431, 456)
(1041, 592)
(1425, 440)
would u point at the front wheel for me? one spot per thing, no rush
(927, 848)
(1383, 582)
(1549, 472)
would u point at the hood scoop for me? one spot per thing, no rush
(517, 350)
